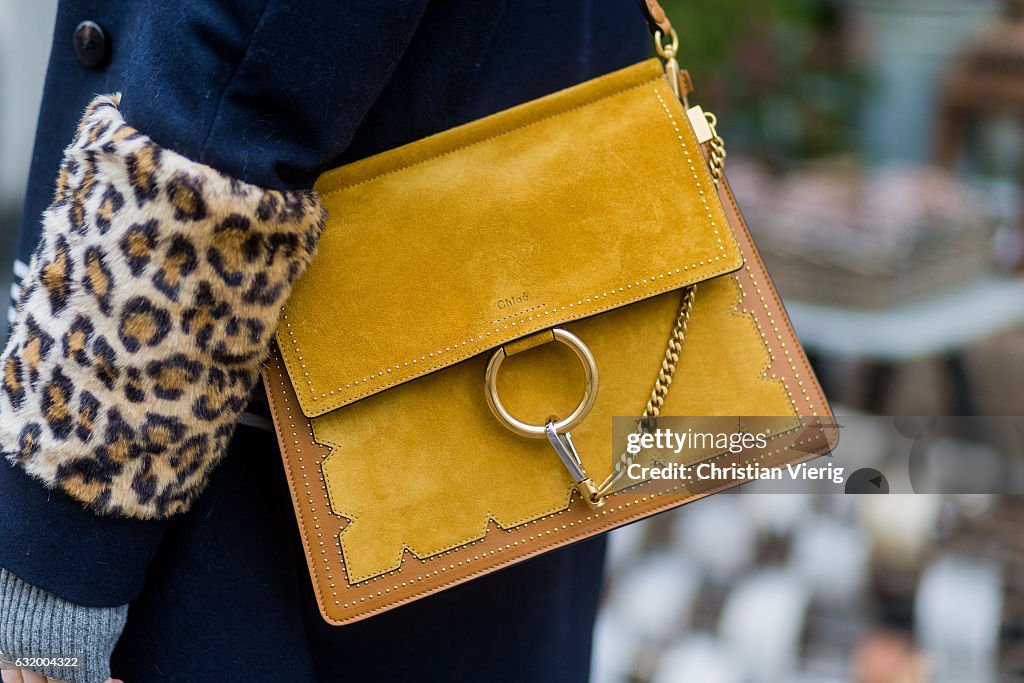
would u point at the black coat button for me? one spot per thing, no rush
(91, 44)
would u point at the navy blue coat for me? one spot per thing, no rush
(274, 92)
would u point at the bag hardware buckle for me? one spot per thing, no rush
(566, 450)
(556, 431)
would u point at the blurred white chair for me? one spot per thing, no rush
(776, 513)
(957, 616)
(625, 546)
(975, 505)
(614, 651)
(832, 558)
(717, 535)
(698, 659)
(762, 623)
(900, 526)
(654, 598)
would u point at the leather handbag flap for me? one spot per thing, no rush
(579, 202)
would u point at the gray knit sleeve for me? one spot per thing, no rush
(35, 623)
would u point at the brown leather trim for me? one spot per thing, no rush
(341, 602)
(655, 16)
(763, 302)
(685, 84)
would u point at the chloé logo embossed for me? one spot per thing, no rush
(511, 301)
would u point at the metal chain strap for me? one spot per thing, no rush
(716, 163)
(671, 360)
(666, 374)
(670, 363)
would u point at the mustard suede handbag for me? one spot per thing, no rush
(577, 233)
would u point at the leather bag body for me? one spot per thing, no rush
(590, 210)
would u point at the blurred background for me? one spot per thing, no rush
(25, 36)
(877, 147)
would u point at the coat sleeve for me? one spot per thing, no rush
(272, 97)
(181, 217)
(150, 302)
(34, 622)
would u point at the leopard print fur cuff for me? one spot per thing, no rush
(150, 302)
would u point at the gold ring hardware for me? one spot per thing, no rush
(666, 51)
(555, 431)
(561, 426)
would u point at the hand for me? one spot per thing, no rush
(26, 676)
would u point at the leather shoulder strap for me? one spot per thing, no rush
(655, 16)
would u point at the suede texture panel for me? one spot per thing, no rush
(539, 216)
(424, 466)
(574, 204)
(741, 359)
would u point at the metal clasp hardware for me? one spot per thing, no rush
(556, 431)
(566, 450)
(703, 123)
